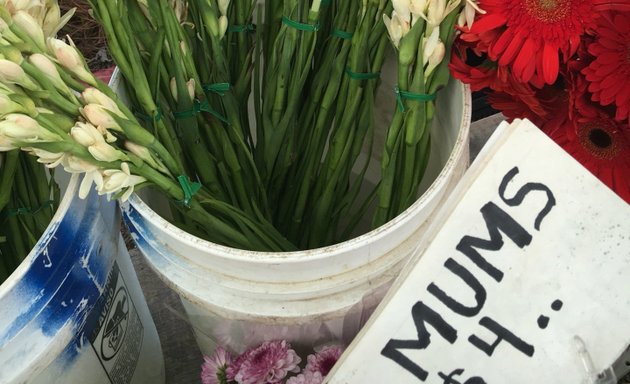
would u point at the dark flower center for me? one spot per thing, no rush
(548, 11)
(598, 138)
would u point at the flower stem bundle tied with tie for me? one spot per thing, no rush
(250, 119)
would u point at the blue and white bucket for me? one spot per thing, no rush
(73, 311)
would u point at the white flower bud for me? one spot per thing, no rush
(173, 86)
(418, 7)
(89, 136)
(438, 10)
(190, 86)
(32, 28)
(17, 129)
(223, 6)
(85, 134)
(429, 45)
(48, 68)
(94, 96)
(223, 26)
(53, 21)
(19, 5)
(146, 156)
(396, 28)
(12, 73)
(401, 7)
(69, 58)
(102, 151)
(99, 116)
(435, 59)
(117, 180)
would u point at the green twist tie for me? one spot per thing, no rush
(145, 117)
(22, 211)
(242, 28)
(198, 107)
(325, 3)
(190, 189)
(362, 76)
(400, 95)
(218, 88)
(300, 26)
(342, 34)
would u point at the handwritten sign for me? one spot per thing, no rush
(527, 279)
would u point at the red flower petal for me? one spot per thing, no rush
(488, 22)
(550, 63)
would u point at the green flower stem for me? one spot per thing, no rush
(288, 67)
(70, 107)
(217, 227)
(348, 135)
(142, 137)
(304, 172)
(388, 168)
(247, 181)
(101, 13)
(7, 173)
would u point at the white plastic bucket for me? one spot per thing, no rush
(238, 298)
(73, 311)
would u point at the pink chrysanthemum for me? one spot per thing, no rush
(213, 368)
(267, 364)
(307, 377)
(324, 360)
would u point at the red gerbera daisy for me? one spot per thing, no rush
(602, 146)
(534, 33)
(484, 75)
(609, 72)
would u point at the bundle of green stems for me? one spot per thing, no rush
(270, 107)
(253, 121)
(28, 199)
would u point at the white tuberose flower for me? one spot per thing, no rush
(12, 73)
(70, 58)
(92, 173)
(31, 26)
(16, 128)
(396, 27)
(92, 95)
(100, 116)
(438, 10)
(49, 159)
(116, 180)
(467, 16)
(90, 137)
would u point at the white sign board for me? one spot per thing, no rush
(526, 281)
